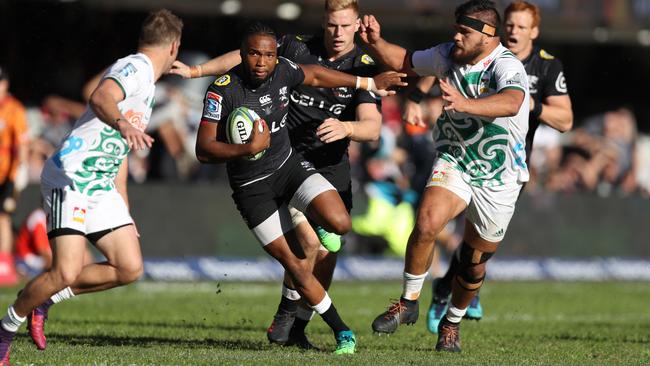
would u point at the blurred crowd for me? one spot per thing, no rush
(604, 155)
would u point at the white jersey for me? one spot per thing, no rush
(90, 156)
(487, 151)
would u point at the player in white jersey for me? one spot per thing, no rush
(84, 184)
(480, 165)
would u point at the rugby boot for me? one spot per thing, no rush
(331, 241)
(346, 343)
(448, 336)
(399, 312)
(439, 304)
(279, 330)
(5, 345)
(299, 339)
(36, 325)
(474, 310)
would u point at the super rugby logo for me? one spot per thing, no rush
(213, 105)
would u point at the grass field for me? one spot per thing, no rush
(541, 323)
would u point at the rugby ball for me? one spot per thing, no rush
(239, 126)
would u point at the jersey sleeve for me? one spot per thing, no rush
(555, 83)
(129, 74)
(431, 62)
(510, 74)
(291, 72)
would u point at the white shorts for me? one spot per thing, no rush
(68, 209)
(489, 209)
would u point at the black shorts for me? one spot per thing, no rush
(6, 192)
(263, 204)
(339, 176)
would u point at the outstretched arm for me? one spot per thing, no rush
(366, 128)
(394, 56)
(321, 77)
(217, 66)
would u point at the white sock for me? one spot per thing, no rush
(290, 293)
(64, 294)
(11, 322)
(455, 314)
(413, 285)
(305, 314)
(323, 305)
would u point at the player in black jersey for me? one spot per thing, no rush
(550, 104)
(263, 188)
(321, 123)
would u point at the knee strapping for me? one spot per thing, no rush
(469, 258)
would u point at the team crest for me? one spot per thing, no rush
(222, 80)
(79, 215)
(545, 55)
(366, 59)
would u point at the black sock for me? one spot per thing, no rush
(287, 305)
(332, 318)
(299, 325)
(408, 302)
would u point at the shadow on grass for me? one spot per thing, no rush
(242, 325)
(109, 340)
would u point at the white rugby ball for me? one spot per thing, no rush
(239, 127)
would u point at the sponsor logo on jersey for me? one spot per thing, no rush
(284, 100)
(223, 80)
(438, 176)
(307, 165)
(136, 119)
(367, 60)
(127, 70)
(342, 92)
(545, 55)
(560, 83)
(213, 106)
(70, 145)
(265, 99)
(79, 215)
(276, 127)
(513, 78)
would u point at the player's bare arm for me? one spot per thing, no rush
(412, 109)
(556, 112)
(103, 102)
(214, 67)
(505, 103)
(366, 128)
(321, 77)
(394, 56)
(210, 150)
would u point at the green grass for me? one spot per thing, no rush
(541, 323)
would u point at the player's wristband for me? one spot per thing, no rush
(537, 110)
(416, 96)
(196, 71)
(366, 84)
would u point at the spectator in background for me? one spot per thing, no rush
(13, 152)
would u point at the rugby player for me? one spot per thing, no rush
(262, 189)
(549, 104)
(321, 122)
(84, 184)
(480, 166)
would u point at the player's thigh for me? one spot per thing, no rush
(446, 195)
(68, 255)
(339, 176)
(121, 247)
(491, 210)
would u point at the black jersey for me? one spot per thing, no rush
(545, 79)
(310, 105)
(269, 100)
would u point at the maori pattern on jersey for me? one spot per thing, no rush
(100, 167)
(477, 147)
